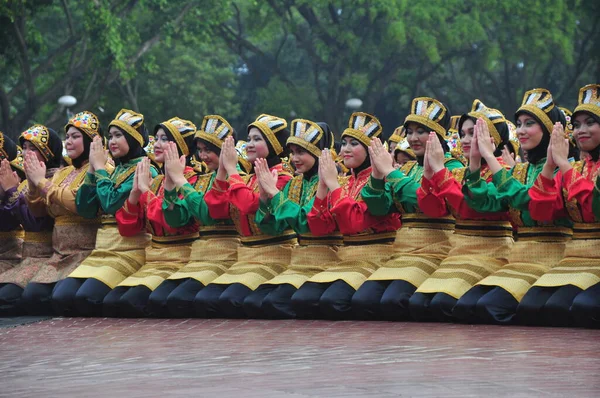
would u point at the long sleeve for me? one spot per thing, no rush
(16, 204)
(482, 196)
(130, 219)
(154, 204)
(86, 200)
(9, 220)
(217, 200)
(243, 196)
(36, 203)
(581, 190)
(180, 206)
(281, 213)
(379, 194)
(596, 198)
(430, 200)
(352, 216)
(546, 199)
(62, 196)
(320, 219)
(110, 195)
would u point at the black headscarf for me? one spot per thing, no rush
(135, 149)
(539, 153)
(324, 143)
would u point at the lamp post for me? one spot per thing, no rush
(67, 101)
(354, 103)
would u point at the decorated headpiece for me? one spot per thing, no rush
(403, 146)
(149, 149)
(180, 129)
(428, 112)
(18, 162)
(397, 135)
(39, 136)
(569, 126)
(363, 127)
(3, 153)
(270, 126)
(538, 102)
(589, 100)
(214, 130)
(129, 121)
(86, 122)
(240, 147)
(492, 117)
(512, 134)
(306, 134)
(453, 128)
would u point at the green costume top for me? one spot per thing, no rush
(398, 192)
(289, 207)
(105, 191)
(188, 202)
(596, 199)
(508, 191)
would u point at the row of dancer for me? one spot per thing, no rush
(493, 241)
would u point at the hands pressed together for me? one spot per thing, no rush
(8, 178)
(557, 154)
(98, 156)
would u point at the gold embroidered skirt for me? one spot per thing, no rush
(479, 248)
(11, 249)
(420, 246)
(73, 240)
(209, 258)
(162, 260)
(581, 263)
(115, 257)
(306, 262)
(37, 249)
(360, 256)
(257, 264)
(535, 251)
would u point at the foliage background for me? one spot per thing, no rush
(292, 58)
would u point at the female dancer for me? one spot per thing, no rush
(281, 210)
(182, 204)
(481, 242)
(572, 286)
(338, 206)
(422, 242)
(46, 146)
(73, 237)
(538, 246)
(11, 232)
(261, 256)
(115, 257)
(142, 211)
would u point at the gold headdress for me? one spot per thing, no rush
(363, 127)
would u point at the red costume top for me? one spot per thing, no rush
(575, 188)
(343, 209)
(443, 195)
(238, 199)
(148, 213)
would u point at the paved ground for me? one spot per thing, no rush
(204, 358)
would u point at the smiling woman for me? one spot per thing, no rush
(288, 208)
(539, 246)
(103, 192)
(42, 154)
(236, 197)
(386, 292)
(142, 212)
(570, 290)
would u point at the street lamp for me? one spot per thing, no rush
(68, 101)
(354, 103)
